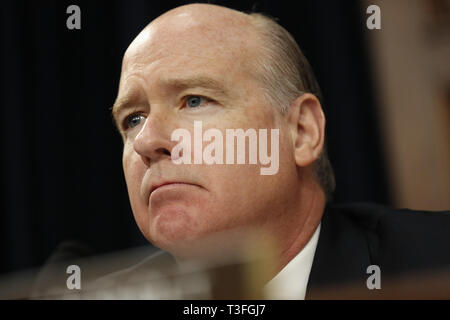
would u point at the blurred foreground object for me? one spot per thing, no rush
(238, 274)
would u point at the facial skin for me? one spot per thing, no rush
(207, 51)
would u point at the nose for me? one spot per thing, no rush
(153, 141)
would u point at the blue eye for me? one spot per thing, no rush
(133, 120)
(194, 101)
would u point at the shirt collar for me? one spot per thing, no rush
(292, 280)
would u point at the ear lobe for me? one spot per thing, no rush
(307, 123)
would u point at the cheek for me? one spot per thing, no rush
(244, 191)
(134, 171)
(131, 169)
(243, 187)
(238, 191)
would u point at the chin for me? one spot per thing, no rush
(172, 226)
(178, 233)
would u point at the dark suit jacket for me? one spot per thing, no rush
(411, 248)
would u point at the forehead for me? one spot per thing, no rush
(215, 25)
(193, 39)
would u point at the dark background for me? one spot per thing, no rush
(60, 164)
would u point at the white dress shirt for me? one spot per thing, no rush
(290, 283)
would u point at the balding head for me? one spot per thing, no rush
(197, 30)
(200, 14)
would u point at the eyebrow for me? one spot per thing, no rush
(195, 82)
(177, 84)
(119, 105)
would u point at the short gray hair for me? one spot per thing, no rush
(286, 74)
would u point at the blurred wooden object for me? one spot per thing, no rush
(410, 56)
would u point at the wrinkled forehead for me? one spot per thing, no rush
(227, 39)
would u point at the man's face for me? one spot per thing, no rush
(188, 67)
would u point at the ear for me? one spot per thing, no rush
(307, 126)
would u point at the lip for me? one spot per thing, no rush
(166, 183)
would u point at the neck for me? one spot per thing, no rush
(301, 226)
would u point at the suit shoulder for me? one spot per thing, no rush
(374, 216)
(401, 239)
